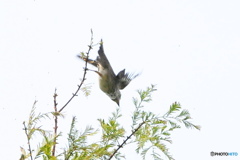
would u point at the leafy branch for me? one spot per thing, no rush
(153, 131)
(30, 128)
(149, 131)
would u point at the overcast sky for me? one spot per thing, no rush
(189, 48)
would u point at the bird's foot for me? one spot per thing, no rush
(87, 69)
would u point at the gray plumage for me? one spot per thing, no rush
(109, 82)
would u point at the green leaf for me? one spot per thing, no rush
(86, 89)
(173, 108)
(184, 113)
(190, 125)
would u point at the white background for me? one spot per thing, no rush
(190, 49)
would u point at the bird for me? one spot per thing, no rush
(109, 82)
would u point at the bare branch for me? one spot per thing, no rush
(55, 122)
(84, 74)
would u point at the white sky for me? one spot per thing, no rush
(190, 49)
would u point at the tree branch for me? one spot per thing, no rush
(28, 139)
(125, 141)
(84, 74)
(55, 122)
(56, 112)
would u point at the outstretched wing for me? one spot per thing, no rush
(123, 79)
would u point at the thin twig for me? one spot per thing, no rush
(28, 139)
(125, 141)
(56, 112)
(84, 74)
(55, 122)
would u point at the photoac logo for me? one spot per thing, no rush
(223, 153)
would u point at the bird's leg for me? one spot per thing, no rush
(93, 71)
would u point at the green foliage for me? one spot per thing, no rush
(31, 129)
(44, 150)
(156, 130)
(33, 120)
(77, 143)
(111, 130)
(150, 132)
(86, 89)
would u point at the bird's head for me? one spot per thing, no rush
(116, 96)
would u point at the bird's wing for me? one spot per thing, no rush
(123, 79)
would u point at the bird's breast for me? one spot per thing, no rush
(104, 83)
(106, 80)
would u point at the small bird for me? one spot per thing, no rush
(109, 82)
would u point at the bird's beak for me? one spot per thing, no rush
(118, 103)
